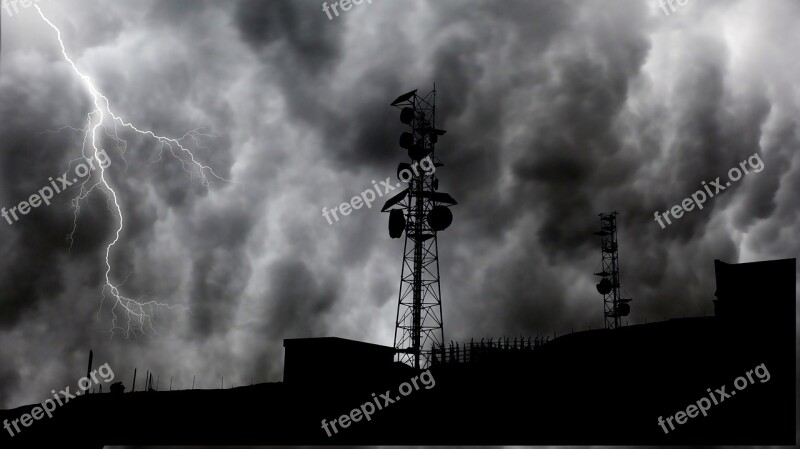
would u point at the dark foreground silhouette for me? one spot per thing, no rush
(600, 387)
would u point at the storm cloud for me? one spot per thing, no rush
(555, 112)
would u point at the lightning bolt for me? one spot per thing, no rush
(137, 314)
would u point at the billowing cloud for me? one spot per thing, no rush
(555, 111)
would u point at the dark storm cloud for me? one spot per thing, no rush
(34, 243)
(298, 42)
(309, 44)
(307, 300)
(561, 134)
(555, 111)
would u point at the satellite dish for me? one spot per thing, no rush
(604, 287)
(397, 223)
(404, 166)
(407, 141)
(405, 97)
(435, 133)
(440, 218)
(407, 115)
(394, 200)
(623, 309)
(415, 152)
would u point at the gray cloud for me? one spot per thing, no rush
(555, 111)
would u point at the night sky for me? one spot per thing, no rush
(556, 111)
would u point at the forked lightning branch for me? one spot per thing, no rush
(135, 315)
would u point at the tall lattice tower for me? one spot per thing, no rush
(421, 211)
(614, 307)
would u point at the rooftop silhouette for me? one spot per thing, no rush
(604, 386)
